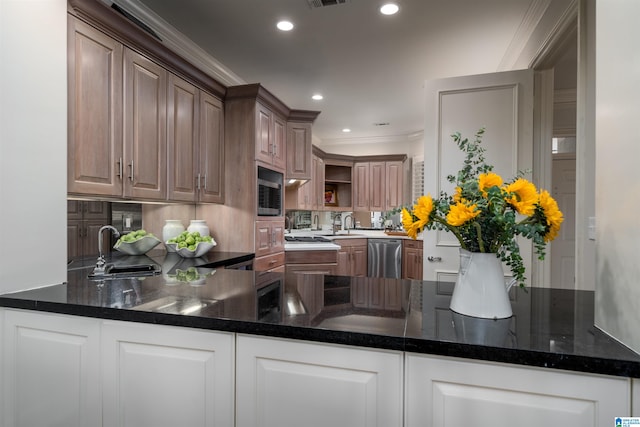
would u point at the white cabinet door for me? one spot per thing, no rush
(444, 392)
(166, 376)
(282, 383)
(50, 371)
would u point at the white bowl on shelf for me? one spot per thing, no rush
(139, 247)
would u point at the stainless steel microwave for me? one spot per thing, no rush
(270, 192)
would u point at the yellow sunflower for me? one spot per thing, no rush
(457, 195)
(552, 214)
(410, 226)
(523, 196)
(421, 210)
(488, 180)
(460, 213)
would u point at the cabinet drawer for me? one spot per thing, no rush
(311, 257)
(328, 269)
(413, 244)
(268, 262)
(350, 242)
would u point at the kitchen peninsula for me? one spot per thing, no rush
(277, 344)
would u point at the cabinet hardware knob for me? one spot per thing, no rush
(434, 259)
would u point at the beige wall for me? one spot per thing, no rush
(617, 180)
(33, 143)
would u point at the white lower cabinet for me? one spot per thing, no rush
(50, 369)
(445, 392)
(166, 376)
(286, 383)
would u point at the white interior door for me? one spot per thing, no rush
(562, 250)
(503, 104)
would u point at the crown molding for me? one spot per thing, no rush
(387, 139)
(178, 42)
(532, 17)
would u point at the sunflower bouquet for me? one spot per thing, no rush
(485, 213)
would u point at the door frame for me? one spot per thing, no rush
(542, 64)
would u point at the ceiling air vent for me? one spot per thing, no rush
(314, 4)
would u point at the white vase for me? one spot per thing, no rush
(481, 290)
(172, 228)
(200, 226)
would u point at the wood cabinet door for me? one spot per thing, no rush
(317, 200)
(211, 149)
(298, 151)
(277, 230)
(377, 186)
(94, 146)
(305, 196)
(145, 128)
(263, 134)
(74, 238)
(279, 147)
(412, 259)
(263, 238)
(394, 185)
(344, 262)
(359, 260)
(361, 187)
(182, 139)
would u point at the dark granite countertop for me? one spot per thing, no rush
(551, 328)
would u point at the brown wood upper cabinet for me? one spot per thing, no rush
(299, 150)
(95, 111)
(117, 118)
(195, 129)
(137, 131)
(143, 166)
(378, 185)
(270, 138)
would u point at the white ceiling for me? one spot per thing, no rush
(369, 67)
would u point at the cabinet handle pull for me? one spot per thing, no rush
(120, 168)
(198, 182)
(131, 167)
(204, 181)
(434, 258)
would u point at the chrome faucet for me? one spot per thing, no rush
(316, 220)
(348, 228)
(337, 222)
(99, 268)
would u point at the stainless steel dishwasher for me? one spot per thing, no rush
(384, 258)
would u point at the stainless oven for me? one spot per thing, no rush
(270, 189)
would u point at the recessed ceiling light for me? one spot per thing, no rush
(317, 97)
(346, 130)
(389, 9)
(284, 26)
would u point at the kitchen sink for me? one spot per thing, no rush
(182, 305)
(306, 239)
(114, 271)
